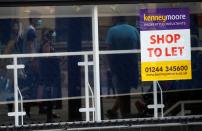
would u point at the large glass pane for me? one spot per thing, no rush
(52, 86)
(115, 21)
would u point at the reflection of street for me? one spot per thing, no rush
(63, 113)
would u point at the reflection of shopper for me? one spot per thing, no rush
(31, 45)
(49, 87)
(14, 45)
(16, 40)
(124, 67)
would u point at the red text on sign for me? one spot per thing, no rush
(170, 39)
(172, 51)
(164, 39)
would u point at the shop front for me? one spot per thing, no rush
(92, 61)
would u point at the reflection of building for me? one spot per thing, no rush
(72, 23)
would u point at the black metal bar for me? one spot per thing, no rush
(113, 124)
(4, 3)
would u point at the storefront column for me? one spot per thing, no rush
(96, 63)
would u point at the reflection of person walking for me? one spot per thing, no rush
(124, 67)
(49, 78)
(14, 45)
(31, 45)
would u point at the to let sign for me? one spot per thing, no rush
(165, 44)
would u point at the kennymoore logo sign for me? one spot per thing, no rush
(165, 44)
(164, 18)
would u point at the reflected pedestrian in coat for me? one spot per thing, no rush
(49, 86)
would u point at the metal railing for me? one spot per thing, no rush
(182, 106)
(83, 53)
(17, 66)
